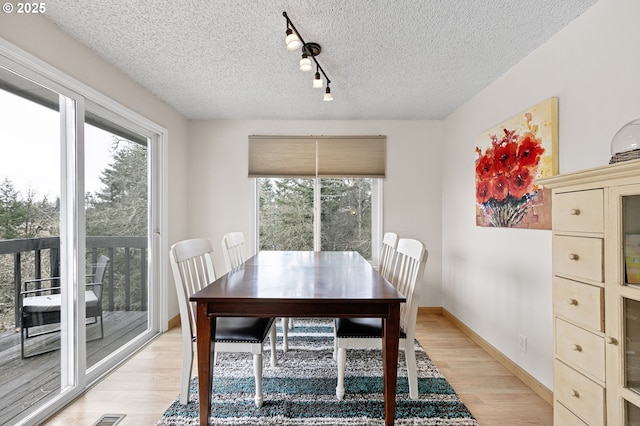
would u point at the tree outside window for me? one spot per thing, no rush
(286, 214)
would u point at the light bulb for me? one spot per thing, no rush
(305, 63)
(327, 95)
(292, 40)
(317, 82)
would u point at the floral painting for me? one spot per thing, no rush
(509, 159)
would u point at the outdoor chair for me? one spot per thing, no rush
(351, 333)
(40, 306)
(192, 267)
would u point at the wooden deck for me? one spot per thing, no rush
(26, 382)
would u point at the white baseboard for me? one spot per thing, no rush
(544, 392)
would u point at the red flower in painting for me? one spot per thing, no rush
(505, 175)
(505, 155)
(485, 167)
(483, 191)
(529, 150)
(499, 188)
(520, 181)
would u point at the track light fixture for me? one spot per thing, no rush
(311, 50)
(327, 94)
(292, 40)
(305, 63)
(317, 81)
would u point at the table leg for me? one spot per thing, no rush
(205, 329)
(391, 337)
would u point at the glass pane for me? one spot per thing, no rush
(285, 214)
(632, 344)
(632, 413)
(346, 215)
(631, 226)
(116, 164)
(30, 309)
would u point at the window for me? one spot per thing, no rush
(319, 192)
(319, 214)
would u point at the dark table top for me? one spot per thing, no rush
(297, 276)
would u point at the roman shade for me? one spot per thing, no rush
(317, 156)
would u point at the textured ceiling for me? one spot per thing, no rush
(387, 59)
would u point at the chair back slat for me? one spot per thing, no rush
(98, 276)
(387, 254)
(406, 277)
(233, 250)
(192, 266)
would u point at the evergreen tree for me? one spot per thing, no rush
(286, 214)
(12, 211)
(120, 207)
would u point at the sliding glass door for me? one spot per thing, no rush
(79, 196)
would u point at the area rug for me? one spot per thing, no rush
(300, 390)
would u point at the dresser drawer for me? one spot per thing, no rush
(580, 211)
(580, 395)
(580, 348)
(563, 417)
(578, 302)
(578, 256)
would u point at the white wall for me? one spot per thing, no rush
(498, 281)
(222, 197)
(42, 39)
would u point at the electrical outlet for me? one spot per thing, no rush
(522, 342)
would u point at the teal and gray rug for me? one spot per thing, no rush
(300, 390)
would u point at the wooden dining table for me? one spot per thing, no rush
(299, 284)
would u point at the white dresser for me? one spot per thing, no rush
(596, 302)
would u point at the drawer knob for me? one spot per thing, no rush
(611, 340)
(573, 256)
(573, 302)
(576, 348)
(574, 393)
(574, 212)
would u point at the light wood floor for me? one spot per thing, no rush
(146, 385)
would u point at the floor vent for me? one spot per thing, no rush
(109, 420)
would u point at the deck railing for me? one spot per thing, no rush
(125, 282)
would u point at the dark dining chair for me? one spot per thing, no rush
(40, 303)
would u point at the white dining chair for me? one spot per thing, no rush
(385, 263)
(352, 333)
(192, 271)
(233, 249)
(387, 254)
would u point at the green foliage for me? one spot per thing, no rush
(26, 217)
(346, 215)
(286, 214)
(120, 207)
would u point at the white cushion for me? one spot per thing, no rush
(52, 302)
